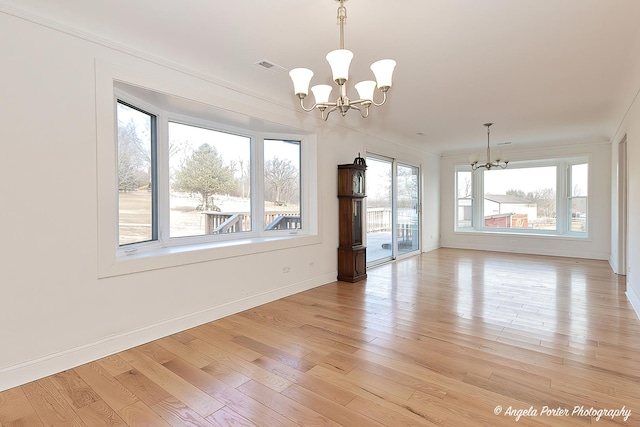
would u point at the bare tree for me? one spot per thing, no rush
(245, 177)
(379, 187)
(407, 187)
(517, 193)
(133, 159)
(545, 200)
(464, 185)
(577, 190)
(283, 179)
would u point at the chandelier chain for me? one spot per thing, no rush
(342, 20)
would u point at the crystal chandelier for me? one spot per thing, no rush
(498, 163)
(339, 60)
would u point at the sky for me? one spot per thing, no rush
(529, 179)
(532, 179)
(188, 138)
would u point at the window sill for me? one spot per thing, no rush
(158, 258)
(541, 235)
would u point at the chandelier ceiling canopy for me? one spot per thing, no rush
(340, 60)
(497, 163)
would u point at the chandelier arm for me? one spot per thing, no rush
(362, 105)
(384, 99)
(354, 103)
(327, 112)
(320, 105)
(304, 108)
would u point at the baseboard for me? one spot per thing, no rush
(31, 370)
(613, 263)
(529, 251)
(430, 248)
(634, 299)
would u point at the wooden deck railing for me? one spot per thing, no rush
(226, 222)
(378, 220)
(233, 222)
(284, 222)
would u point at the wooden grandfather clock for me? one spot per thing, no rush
(352, 254)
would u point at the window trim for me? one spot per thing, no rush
(151, 255)
(563, 194)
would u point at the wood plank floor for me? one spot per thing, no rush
(447, 338)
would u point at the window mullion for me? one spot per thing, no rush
(154, 178)
(394, 208)
(562, 198)
(257, 183)
(163, 179)
(478, 200)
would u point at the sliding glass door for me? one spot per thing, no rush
(393, 209)
(379, 221)
(407, 208)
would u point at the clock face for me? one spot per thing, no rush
(358, 182)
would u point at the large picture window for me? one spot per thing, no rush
(520, 198)
(183, 180)
(186, 177)
(542, 197)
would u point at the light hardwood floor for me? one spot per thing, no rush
(440, 339)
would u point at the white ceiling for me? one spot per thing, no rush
(544, 71)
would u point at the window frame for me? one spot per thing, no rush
(303, 209)
(161, 167)
(216, 127)
(155, 130)
(563, 196)
(457, 170)
(571, 197)
(147, 256)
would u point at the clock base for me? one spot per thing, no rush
(352, 264)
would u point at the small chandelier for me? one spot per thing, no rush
(339, 60)
(499, 163)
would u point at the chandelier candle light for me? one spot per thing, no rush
(339, 60)
(499, 163)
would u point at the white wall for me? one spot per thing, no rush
(595, 247)
(631, 128)
(55, 311)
